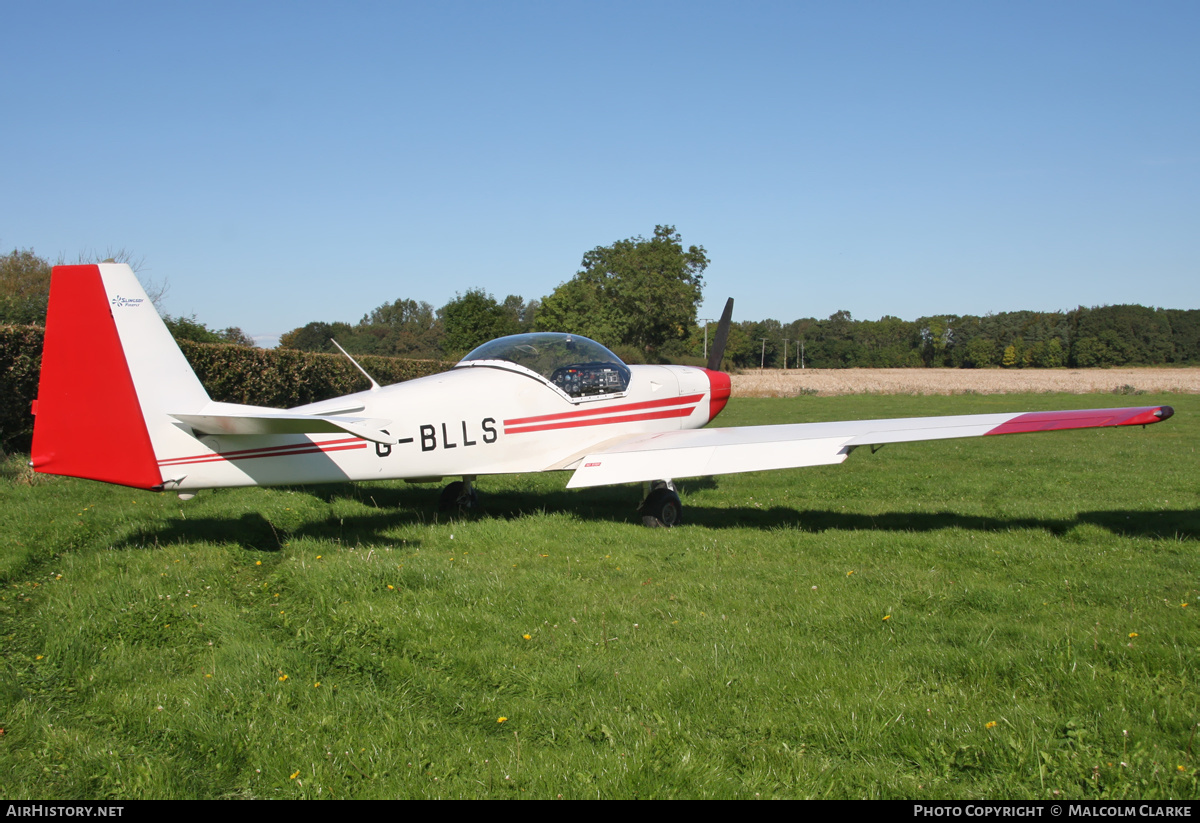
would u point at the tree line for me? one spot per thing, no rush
(1124, 335)
(640, 297)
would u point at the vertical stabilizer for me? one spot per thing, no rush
(110, 369)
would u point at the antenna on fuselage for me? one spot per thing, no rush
(722, 337)
(374, 386)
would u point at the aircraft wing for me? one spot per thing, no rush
(703, 452)
(287, 423)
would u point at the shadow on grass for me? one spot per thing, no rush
(1170, 525)
(392, 508)
(251, 531)
(416, 505)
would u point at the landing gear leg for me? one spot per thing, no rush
(460, 496)
(661, 508)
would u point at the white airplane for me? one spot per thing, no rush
(119, 403)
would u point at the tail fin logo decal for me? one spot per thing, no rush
(120, 302)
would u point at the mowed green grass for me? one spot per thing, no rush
(997, 617)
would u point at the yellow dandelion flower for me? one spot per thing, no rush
(1180, 768)
(39, 657)
(887, 617)
(391, 588)
(282, 677)
(849, 572)
(527, 637)
(501, 719)
(1133, 634)
(317, 685)
(258, 562)
(318, 557)
(295, 774)
(991, 724)
(1183, 605)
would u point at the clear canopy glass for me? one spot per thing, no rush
(577, 365)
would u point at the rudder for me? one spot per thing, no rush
(109, 370)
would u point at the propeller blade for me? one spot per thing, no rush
(718, 347)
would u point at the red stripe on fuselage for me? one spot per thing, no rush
(603, 421)
(270, 451)
(606, 410)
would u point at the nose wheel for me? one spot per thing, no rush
(661, 508)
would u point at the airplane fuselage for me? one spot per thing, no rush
(472, 420)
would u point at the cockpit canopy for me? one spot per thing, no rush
(578, 366)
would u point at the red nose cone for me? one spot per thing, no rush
(718, 382)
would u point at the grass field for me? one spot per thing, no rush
(1010, 617)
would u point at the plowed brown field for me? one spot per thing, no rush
(780, 383)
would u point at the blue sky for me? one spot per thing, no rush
(278, 163)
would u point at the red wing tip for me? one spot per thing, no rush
(1083, 419)
(1146, 416)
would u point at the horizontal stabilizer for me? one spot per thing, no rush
(702, 452)
(284, 423)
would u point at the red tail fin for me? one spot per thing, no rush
(89, 421)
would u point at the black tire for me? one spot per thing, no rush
(662, 509)
(452, 499)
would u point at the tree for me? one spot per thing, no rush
(520, 312)
(639, 292)
(937, 335)
(403, 328)
(189, 328)
(1010, 358)
(1088, 352)
(578, 306)
(314, 336)
(401, 314)
(236, 336)
(474, 318)
(980, 353)
(1052, 355)
(24, 288)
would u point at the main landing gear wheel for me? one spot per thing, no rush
(661, 508)
(458, 497)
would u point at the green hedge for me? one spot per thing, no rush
(20, 363)
(282, 378)
(279, 378)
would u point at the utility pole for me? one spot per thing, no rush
(763, 361)
(801, 352)
(707, 320)
(785, 342)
